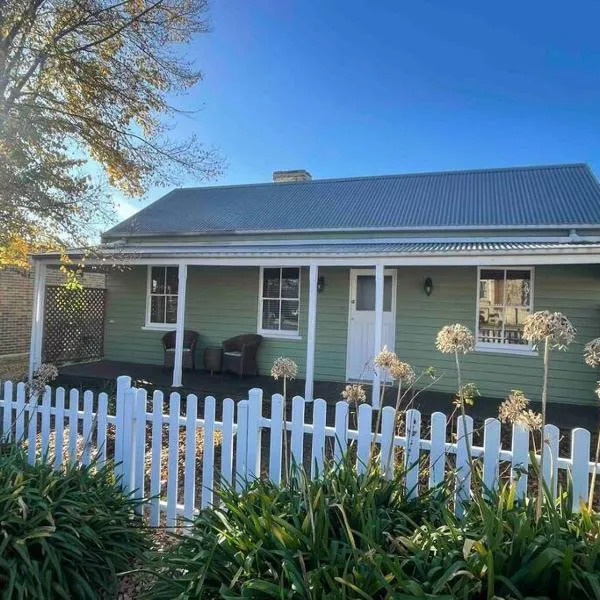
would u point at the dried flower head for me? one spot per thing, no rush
(531, 420)
(597, 390)
(454, 338)
(402, 372)
(591, 353)
(514, 410)
(354, 393)
(385, 359)
(554, 327)
(42, 376)
(466, 395)
(511, 408)
(284, 368)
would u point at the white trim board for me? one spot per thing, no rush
(544, 257)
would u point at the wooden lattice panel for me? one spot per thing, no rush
(73, 324)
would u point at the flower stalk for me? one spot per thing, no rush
(457, 339)
(284, 368)
(553, 330)
(591, 355)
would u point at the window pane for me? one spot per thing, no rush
(365, 293)
(171, 309)
(157, 309)
(172, 280)
(270, 314)
(289, 315)
(491, 287)
(271, 283)
(290, 283)
(513, 329)
(490, 324)
(518, 288)
(157, 278)
(504, 298)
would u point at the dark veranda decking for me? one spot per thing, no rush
(101, 376)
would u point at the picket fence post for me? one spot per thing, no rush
(580, 468)
(128, 440)
(209, 453)
(253, 440)
(227, 443)
(411, 452)
(365, 437)
(123, 384)
(59, 425)
(464, 445)
(276, 441)
(388, 433)
(491, 455)
(241, 445)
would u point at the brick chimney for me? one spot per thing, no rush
(287, 176)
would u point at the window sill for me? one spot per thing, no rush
(274, 335)
(506, 349)
(172, 327)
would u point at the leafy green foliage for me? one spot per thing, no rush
(63, 534)
(329, 538)
(86, 84)
(350, 536)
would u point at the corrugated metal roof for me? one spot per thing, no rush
(555, 195)
(353, 249)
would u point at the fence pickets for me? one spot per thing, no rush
(149, 439)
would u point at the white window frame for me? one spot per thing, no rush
(287, 334)
(147, 323)
(504, 348)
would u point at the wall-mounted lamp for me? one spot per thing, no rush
(428, 286)
(320, 284)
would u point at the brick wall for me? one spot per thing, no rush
(16, 298)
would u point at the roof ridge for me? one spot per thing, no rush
(389, 176)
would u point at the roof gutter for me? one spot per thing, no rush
(567, 227)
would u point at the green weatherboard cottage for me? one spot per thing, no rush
(328, 271)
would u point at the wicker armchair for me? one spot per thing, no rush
(239, 354)
(190, 340)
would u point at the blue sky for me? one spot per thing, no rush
(365, 88)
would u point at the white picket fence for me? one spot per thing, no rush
(134, 438)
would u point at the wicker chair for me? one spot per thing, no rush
(239, 354)
(190, 340)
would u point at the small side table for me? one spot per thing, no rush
(213, 359)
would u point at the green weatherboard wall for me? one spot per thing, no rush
(223, 302)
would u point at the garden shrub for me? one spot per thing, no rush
(63, 534)
(350, 536)
(313, 539)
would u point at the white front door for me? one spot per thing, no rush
(361, 321)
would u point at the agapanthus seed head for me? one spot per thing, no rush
(455, 338)
(42, 376)
(402, 372)
(284, 368)
(510, 409)
(515, 410)
(354, 393)
(531, 420)
(553, 326)
(385, 359)
(591, 353)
